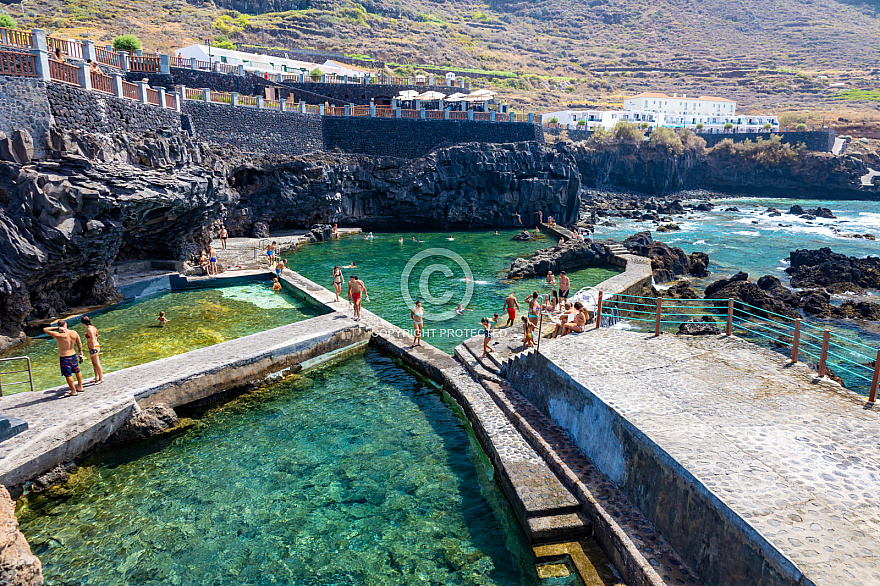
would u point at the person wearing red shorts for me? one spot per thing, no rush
(512, 307)
(356, 289)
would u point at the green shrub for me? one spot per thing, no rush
(357, 15)
(582, 122)
(801, 126)
(7, 21)
(666, 137)
(127, 43)
(554, 120)
(644, 125)
(628, 132)
(222, 42)
(728, 126)
(767, 126)
(699, 126)
(769, 152)
(316, 73)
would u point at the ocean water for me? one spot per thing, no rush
(130, 335)
(471, 269)
(751, 241)
(356, 473)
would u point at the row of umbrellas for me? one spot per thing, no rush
(432, 96)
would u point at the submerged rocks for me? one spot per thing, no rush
(808, 214)
(145, 423)
(667, 262)
(523, 236)
(811, 269)
(571, 254)
(57, 475)
(18, 566)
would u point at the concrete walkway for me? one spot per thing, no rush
(793, 459)
(251, 252)
(868, 179)
(62, 428)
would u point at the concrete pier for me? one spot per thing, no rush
(754, 470)
(61, 429)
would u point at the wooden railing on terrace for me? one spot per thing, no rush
(22, 64)
(247, 101)
(63, 72)
(153, 97)
(16, 38)
(142, 63)
(69, 47)
(180, 62)
(106, 57)
(130, 91)
(221, 97)
(102, 83)
(169, 101)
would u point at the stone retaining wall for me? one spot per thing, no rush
(23, 106)
(408, 138)
(77, 109)
(252, 130)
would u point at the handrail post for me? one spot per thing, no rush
(729, 330)
(659, 311)
(795, 340)
(875, 381)
(599, 311)
(823, 359)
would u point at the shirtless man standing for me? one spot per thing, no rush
(512, 307)
(356, 291)
(223, 236)
(70, 349)
(270, 252)
(564, 285)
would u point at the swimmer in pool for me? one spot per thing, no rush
(400, 240)
(162, 321)
(450, 238)
(276, 285)
(461, 309)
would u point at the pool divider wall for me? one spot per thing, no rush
(62, 429)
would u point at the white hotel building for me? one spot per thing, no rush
(674, 111)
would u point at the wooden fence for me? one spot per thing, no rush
(63, 72)
(102, 83)
(110, 58)
(12, 63)
(16, 38)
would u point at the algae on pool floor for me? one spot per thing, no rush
(357, 473)
(130, 335)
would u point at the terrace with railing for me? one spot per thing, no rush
(827, 348)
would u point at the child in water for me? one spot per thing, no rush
(276, 285)
(162, 321)
(460, 309)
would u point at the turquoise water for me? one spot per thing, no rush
(438, 279)
(130, 335)
(357, 473)
(752, 241)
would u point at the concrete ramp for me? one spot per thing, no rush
(755, 471)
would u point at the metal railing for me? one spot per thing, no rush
(143, 63)
(12, 63)
(16, 38)
(110, 58)
(102, 83)
(63, 72)
(854, 362)
(30, 379)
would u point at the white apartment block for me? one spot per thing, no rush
(712, 114)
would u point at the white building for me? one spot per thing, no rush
(709, 113)
(259, 63)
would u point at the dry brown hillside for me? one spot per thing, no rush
(766, 54)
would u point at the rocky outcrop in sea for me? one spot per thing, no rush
(837, 273)
(570, 255)
(667, 262)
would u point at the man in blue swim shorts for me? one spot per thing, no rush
(270, 252)
(70, 350)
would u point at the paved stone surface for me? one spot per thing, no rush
(794, 456)
(251, 252)
(62, 428)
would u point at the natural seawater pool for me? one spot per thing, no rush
(382, 262)
(130, 335)
(355, 473)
